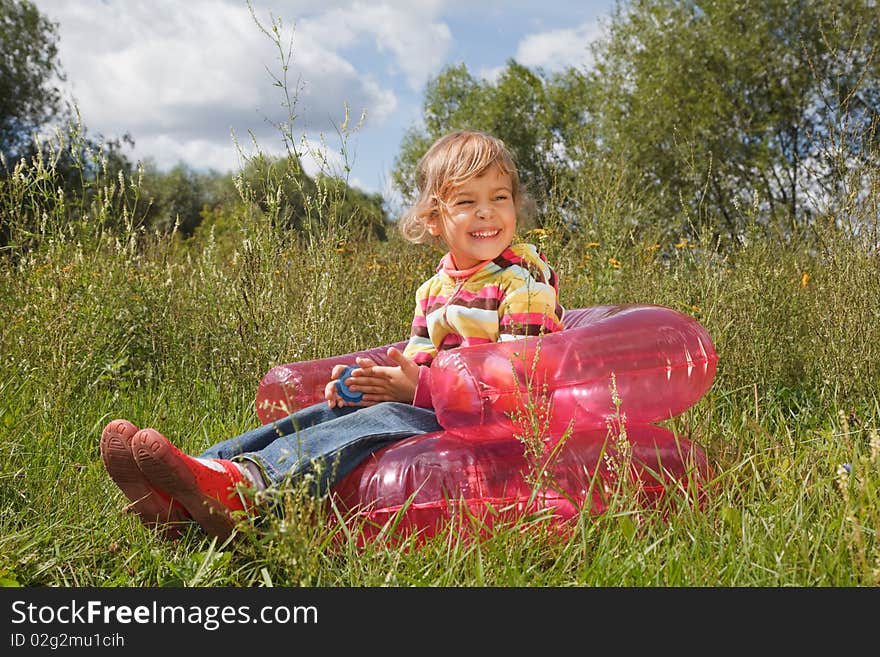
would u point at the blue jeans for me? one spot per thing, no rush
(337, 438)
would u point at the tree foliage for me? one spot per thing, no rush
(723, 102)
(708, 108)
(29, 69)
(174, 199)
(181, 198)
(295, 201)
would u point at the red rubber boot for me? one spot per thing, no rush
(206, 488)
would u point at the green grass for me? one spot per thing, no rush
(102, 322)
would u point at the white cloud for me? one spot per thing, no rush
(317, 157)
(491, 74)
(201, 153)
(555, 50)
(419, 47)
(181, 76)
(417, 42)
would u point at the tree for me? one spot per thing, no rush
(175, 198)
(719, 102)
(293, 200)
(28, 71)
(699, 108)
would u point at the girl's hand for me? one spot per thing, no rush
(331, 394)
(381, 383)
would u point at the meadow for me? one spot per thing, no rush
(103, 319)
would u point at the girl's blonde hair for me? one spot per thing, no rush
(450, 162)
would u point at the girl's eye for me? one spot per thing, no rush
(463, 202)
(501, 197)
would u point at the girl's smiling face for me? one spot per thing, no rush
(478, 220)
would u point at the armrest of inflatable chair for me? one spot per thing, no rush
(292, 386)
(662, 362)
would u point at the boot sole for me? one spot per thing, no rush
(120, 464)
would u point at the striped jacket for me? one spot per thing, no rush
(514, 295)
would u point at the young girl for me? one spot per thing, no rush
(486, 289)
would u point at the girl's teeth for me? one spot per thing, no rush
(486, 234)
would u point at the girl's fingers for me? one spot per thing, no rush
(374, 378)
(370, 400)
(376, 394)
(357, 386)
(377, 372)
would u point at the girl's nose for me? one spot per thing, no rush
(483, 210)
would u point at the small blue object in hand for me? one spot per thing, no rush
(343, 390)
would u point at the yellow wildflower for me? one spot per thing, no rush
(805, 278)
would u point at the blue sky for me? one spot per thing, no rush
(183, 77)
